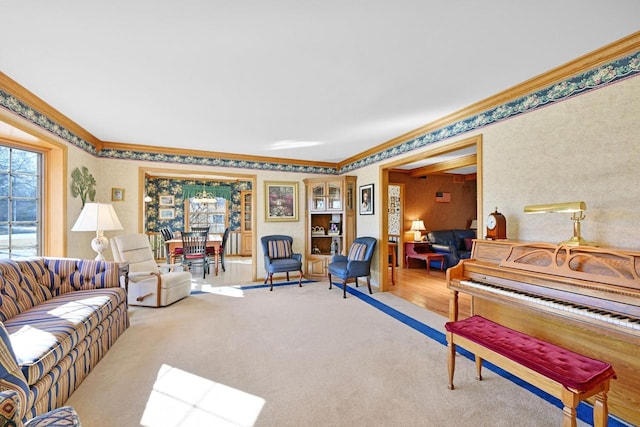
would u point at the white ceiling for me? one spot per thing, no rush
(311, 80)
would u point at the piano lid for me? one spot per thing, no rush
(583, 262)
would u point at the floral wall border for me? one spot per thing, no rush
(607, 74)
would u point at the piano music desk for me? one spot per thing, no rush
(569, 376)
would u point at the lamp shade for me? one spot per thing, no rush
(417, 226)
(97, 217)
(567, 207)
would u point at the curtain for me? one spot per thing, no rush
(223, 191)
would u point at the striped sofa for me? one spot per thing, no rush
(59, 316)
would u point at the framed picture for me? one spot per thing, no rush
(166, 213)
(166, 200)
(366, 199)
(281, 201)
(117, 194)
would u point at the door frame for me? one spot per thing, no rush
(384, 182)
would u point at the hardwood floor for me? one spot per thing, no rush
(428, 290)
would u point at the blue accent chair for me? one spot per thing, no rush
(356, 264)
(279, 257)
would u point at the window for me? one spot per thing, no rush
(212, 215)
(20, 202)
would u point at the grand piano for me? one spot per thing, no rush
(586, 299)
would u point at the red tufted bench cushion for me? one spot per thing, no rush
(572, 370)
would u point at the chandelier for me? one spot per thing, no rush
(204, 197)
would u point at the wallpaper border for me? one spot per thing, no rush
(593, 79)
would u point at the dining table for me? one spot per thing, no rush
(213, 241)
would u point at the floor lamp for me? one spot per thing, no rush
(98, 217)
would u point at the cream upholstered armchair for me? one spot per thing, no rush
(150, 284)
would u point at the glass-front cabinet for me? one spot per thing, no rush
(330, 221)
(246, 222)
(327, 196)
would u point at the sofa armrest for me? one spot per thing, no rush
(339, 258)
(11, 407)
(63, 416)
(440, 248)
(165, 268)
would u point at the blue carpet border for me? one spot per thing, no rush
(584, 410)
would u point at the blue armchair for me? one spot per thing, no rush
(279, 257)
(356, 264)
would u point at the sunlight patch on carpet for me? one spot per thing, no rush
(180, 398)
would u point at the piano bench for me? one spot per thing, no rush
(568, 376)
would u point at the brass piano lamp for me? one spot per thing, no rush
(575, 208)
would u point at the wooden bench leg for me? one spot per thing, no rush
(478, 368)
(451, 359)
(600, 409)
(570, 401)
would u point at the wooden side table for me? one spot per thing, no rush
(435, 257)
(415, 250)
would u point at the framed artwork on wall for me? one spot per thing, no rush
(117, 194)
(281, 201)
(166, 213)
(166, 200)
(366, 199)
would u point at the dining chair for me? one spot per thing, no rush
(194, 250)
(211, 251)
(225, 237)
(167, 234)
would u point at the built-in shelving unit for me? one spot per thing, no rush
(330, 221)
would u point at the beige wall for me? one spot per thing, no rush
(586, 148)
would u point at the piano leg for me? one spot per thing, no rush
(451, 359)
(453, 305)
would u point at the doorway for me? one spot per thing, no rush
(438, 159)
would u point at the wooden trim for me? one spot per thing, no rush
(41, 106)
(54, 170)
(460, 162)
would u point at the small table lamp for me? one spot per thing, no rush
(98, 217)
(417, 226)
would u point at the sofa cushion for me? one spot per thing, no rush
(46, 333)
(279, 249)
(468, 243)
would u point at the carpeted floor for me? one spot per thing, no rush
(294, 357)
